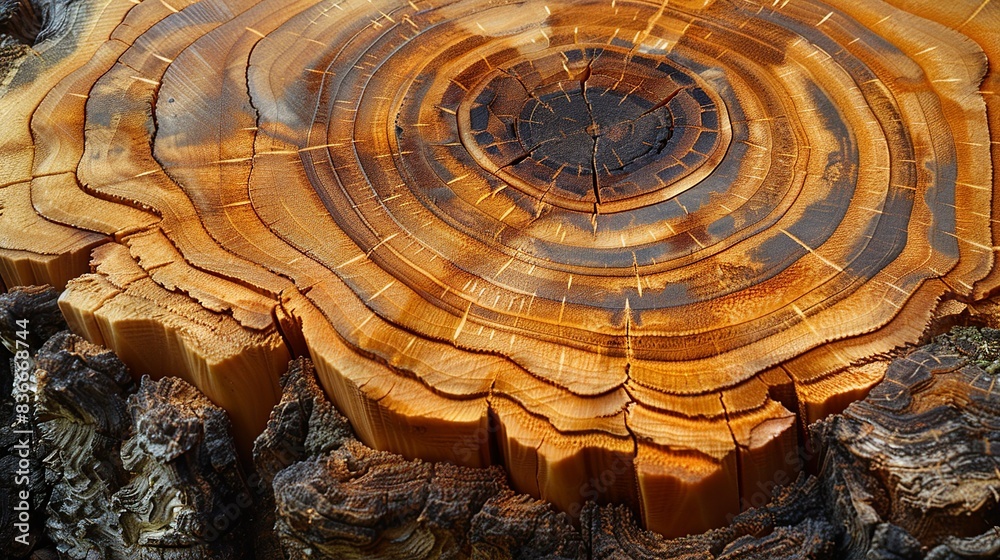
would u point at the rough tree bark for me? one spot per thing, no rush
(918, 452)
(117, 469)
(565, 237)
(38, 307)
(909, 472)
(147, 472)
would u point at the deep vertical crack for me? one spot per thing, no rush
(739, 457)
(628, 408)
(594, 134)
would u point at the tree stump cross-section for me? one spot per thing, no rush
(623, 248)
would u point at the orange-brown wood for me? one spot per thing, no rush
(627, 249)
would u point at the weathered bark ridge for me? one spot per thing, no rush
(318, 493)
(567, 237)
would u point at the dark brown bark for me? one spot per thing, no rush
(920, 453)
(303, 424)
(182, 453)
(906, 473)
(622, 241)
(135, 473)
(82, 420)
(37, 305)
(338, 497)
(35, 308)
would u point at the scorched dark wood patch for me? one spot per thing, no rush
(622, 248)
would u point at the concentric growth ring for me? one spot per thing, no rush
(589, 129)
(619, 247)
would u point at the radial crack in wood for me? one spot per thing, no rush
(338, 497)
(457, 512)
(617, 247)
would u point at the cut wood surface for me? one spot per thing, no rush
(908, 472)
(149, 469)
(623, 248)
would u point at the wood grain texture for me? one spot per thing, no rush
(619, 248)
(908, 472)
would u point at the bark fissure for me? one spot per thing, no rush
(574, 233)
